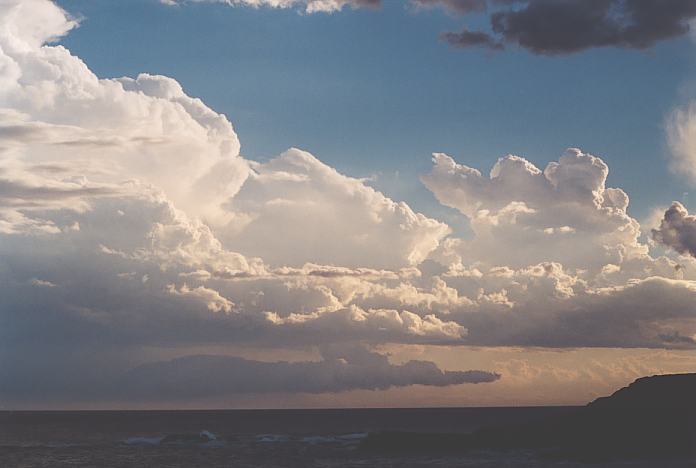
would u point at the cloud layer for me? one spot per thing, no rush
(339, 370)
(135, 241)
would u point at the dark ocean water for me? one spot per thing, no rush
(251, 438)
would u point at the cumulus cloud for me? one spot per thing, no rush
(522, 215)
(132, 231)
(556, 260)
(541, 307)
(567, 26)
(325, 217)
(677, 230)
(129, 219)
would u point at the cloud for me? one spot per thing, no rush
(325, 217)
(521, 215)
(555, 260)
(677, 230)
(308, 6)
(536, 307)
(548, 27)
(339, 370)
(454, 6)
(468, 38)
(133, 234)
(681, 137)
(34, 21)
(211, 298)
(554, 27)
(190, 377)
(129, 219)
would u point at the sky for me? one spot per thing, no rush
(338, 203)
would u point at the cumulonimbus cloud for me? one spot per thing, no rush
(132, 228)
(677, 230)
(128, 217)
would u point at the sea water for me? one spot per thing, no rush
(253, 438)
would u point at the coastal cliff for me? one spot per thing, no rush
(654, 417)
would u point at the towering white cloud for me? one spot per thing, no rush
(132, 231)
(521, 215)
(129, 219)
(295, 209)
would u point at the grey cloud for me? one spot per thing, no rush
(366, 3)
(565, 26)
(652, 313)
(549, 27)
(198, 376)
(468, 38)
(21, 193)
(105, 376)
(456, 6)
(677, 230)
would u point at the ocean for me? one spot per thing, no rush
(254, 438)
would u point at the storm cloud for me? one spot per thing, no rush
(554, 27)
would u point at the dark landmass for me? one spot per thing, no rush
(654, 417)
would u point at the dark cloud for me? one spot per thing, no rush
(367, 3)
(352, 369)
(457, 6)
(651, 313)
(201, 376)
(567, 26)
(677, 230)
(467, 38)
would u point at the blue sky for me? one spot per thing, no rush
(375, 92)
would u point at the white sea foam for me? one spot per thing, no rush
(270, 438)
(143, 440)
(207, 435)
(203, 438)
(341, 439)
